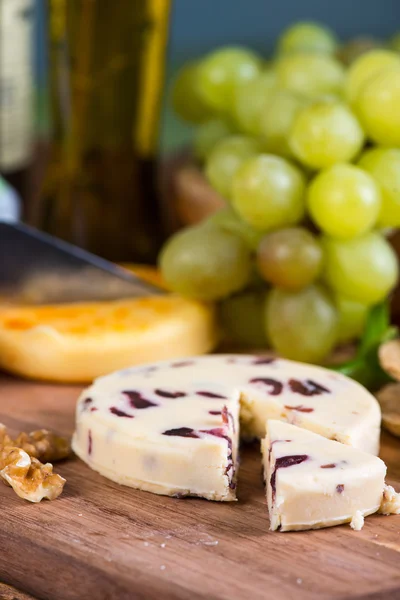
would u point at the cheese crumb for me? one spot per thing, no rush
(390, 504)
(357, 522)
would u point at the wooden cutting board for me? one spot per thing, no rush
(102, 541)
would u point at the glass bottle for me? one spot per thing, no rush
(105, 84)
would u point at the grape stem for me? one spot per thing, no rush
(365, 367)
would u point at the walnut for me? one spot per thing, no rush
(5, 439)
(389, 358)
(21, 468)
(43, 445)
(29, 478)
(389, 399)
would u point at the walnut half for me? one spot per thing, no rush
(29, 478)
(5, 439)
(21, 463)
(43, 445)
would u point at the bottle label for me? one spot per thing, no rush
(16, 83)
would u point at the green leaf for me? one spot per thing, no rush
(365, 367)
(378, 322)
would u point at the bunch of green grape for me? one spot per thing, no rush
(305, 150)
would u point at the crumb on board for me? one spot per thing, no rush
(390, 504)
(357, 522)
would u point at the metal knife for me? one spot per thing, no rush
(36, 268)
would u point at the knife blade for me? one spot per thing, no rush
(36, 268)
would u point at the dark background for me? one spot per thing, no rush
(200, 25)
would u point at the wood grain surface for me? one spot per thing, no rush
(102, 541)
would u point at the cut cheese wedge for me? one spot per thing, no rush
(313, 482)
(79, 342)
(171, 427)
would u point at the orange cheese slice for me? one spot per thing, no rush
(79, 342)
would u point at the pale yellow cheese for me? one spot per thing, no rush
(160, 435)
(82, 341)
(313, 482)
(310, 397)
(160, 427)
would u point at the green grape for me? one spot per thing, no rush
(290, 258)
(325, 98)
(352, 318)
(205, 263)
(249, 100)
(242, 319)
(353, 49)
(207, 135)
(310, 74)
(364, 269)
(325, 133)
(276, 120)
(256, 282)
(378, 107)
(220, 72)
(268, 192)
(344, 201)
(227, 220)
(225, 158)
(302, 325)
(366, 66)
(307, 37)
(186, 99)
(384, 166)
